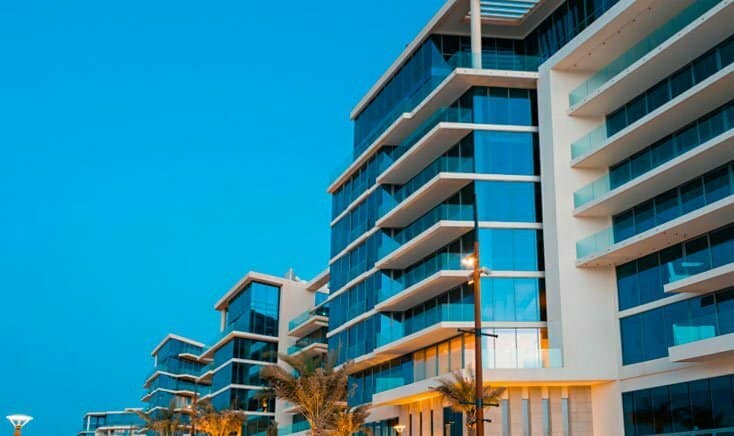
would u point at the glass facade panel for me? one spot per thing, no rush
(511, 249)
(706, 404)
(255, 310)
(508, 201)
(512, 153)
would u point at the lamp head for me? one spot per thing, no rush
(399, 429)
(19, 421)
(469, 261)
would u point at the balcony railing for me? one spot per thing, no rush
(612, 235)
(443, 115)
(447, 164)
(305, 316)
(305, 342)
(440, 313)
(712, 125)
(454, 212)
(642, 48)
(441, 261)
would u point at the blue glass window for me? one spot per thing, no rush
(511, 249)
(511, 153)
(255, 309)
(508, 201)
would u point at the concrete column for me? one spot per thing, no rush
(475, 16)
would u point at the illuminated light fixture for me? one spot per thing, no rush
(19, 421)
(399, 429)
(469, 261)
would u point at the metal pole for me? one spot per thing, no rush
(478, 379)
(17, 430)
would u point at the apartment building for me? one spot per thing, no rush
(113, 423)
(586, 146)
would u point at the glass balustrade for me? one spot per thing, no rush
(622, 231)
(443, 115)
(305, 316)
(442, 261)
(690, 137)
(454, 212)
(445, 164)
(642, 48)
(305, 342)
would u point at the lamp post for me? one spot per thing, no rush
(19, 421)
(472, 261)
(399, 429)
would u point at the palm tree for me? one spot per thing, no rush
(164, 421)
(459, 390)
(348, 422)
(218, 423)
(318, 388)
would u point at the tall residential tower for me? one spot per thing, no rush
(586, 145)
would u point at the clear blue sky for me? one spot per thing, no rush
(152, 153)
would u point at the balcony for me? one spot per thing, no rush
(666, 49)
(704, 282)
(309, 346)
(694, 344)
(600, 199)
(607, 249)
(418, 274)
(449, 83)
(425, 198)
(598, 150)
(308, 322)
(429, 233)
(431, 286)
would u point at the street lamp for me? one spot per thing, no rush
(399, 429)
(472, 261)
(18, 422)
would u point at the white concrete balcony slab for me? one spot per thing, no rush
(675, 231)
(711, 348)
(313, 349)
(435, 143)
(689, 106)
(310, 325)
(448, 91)
(438, 332)
(707, 281)
(693, 163)
(438, 189)
(678, 50)
(430, 287)
(430, 240)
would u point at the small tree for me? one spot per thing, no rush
(218, 423)
(315, 386)
(163, 422)
(459, 391)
